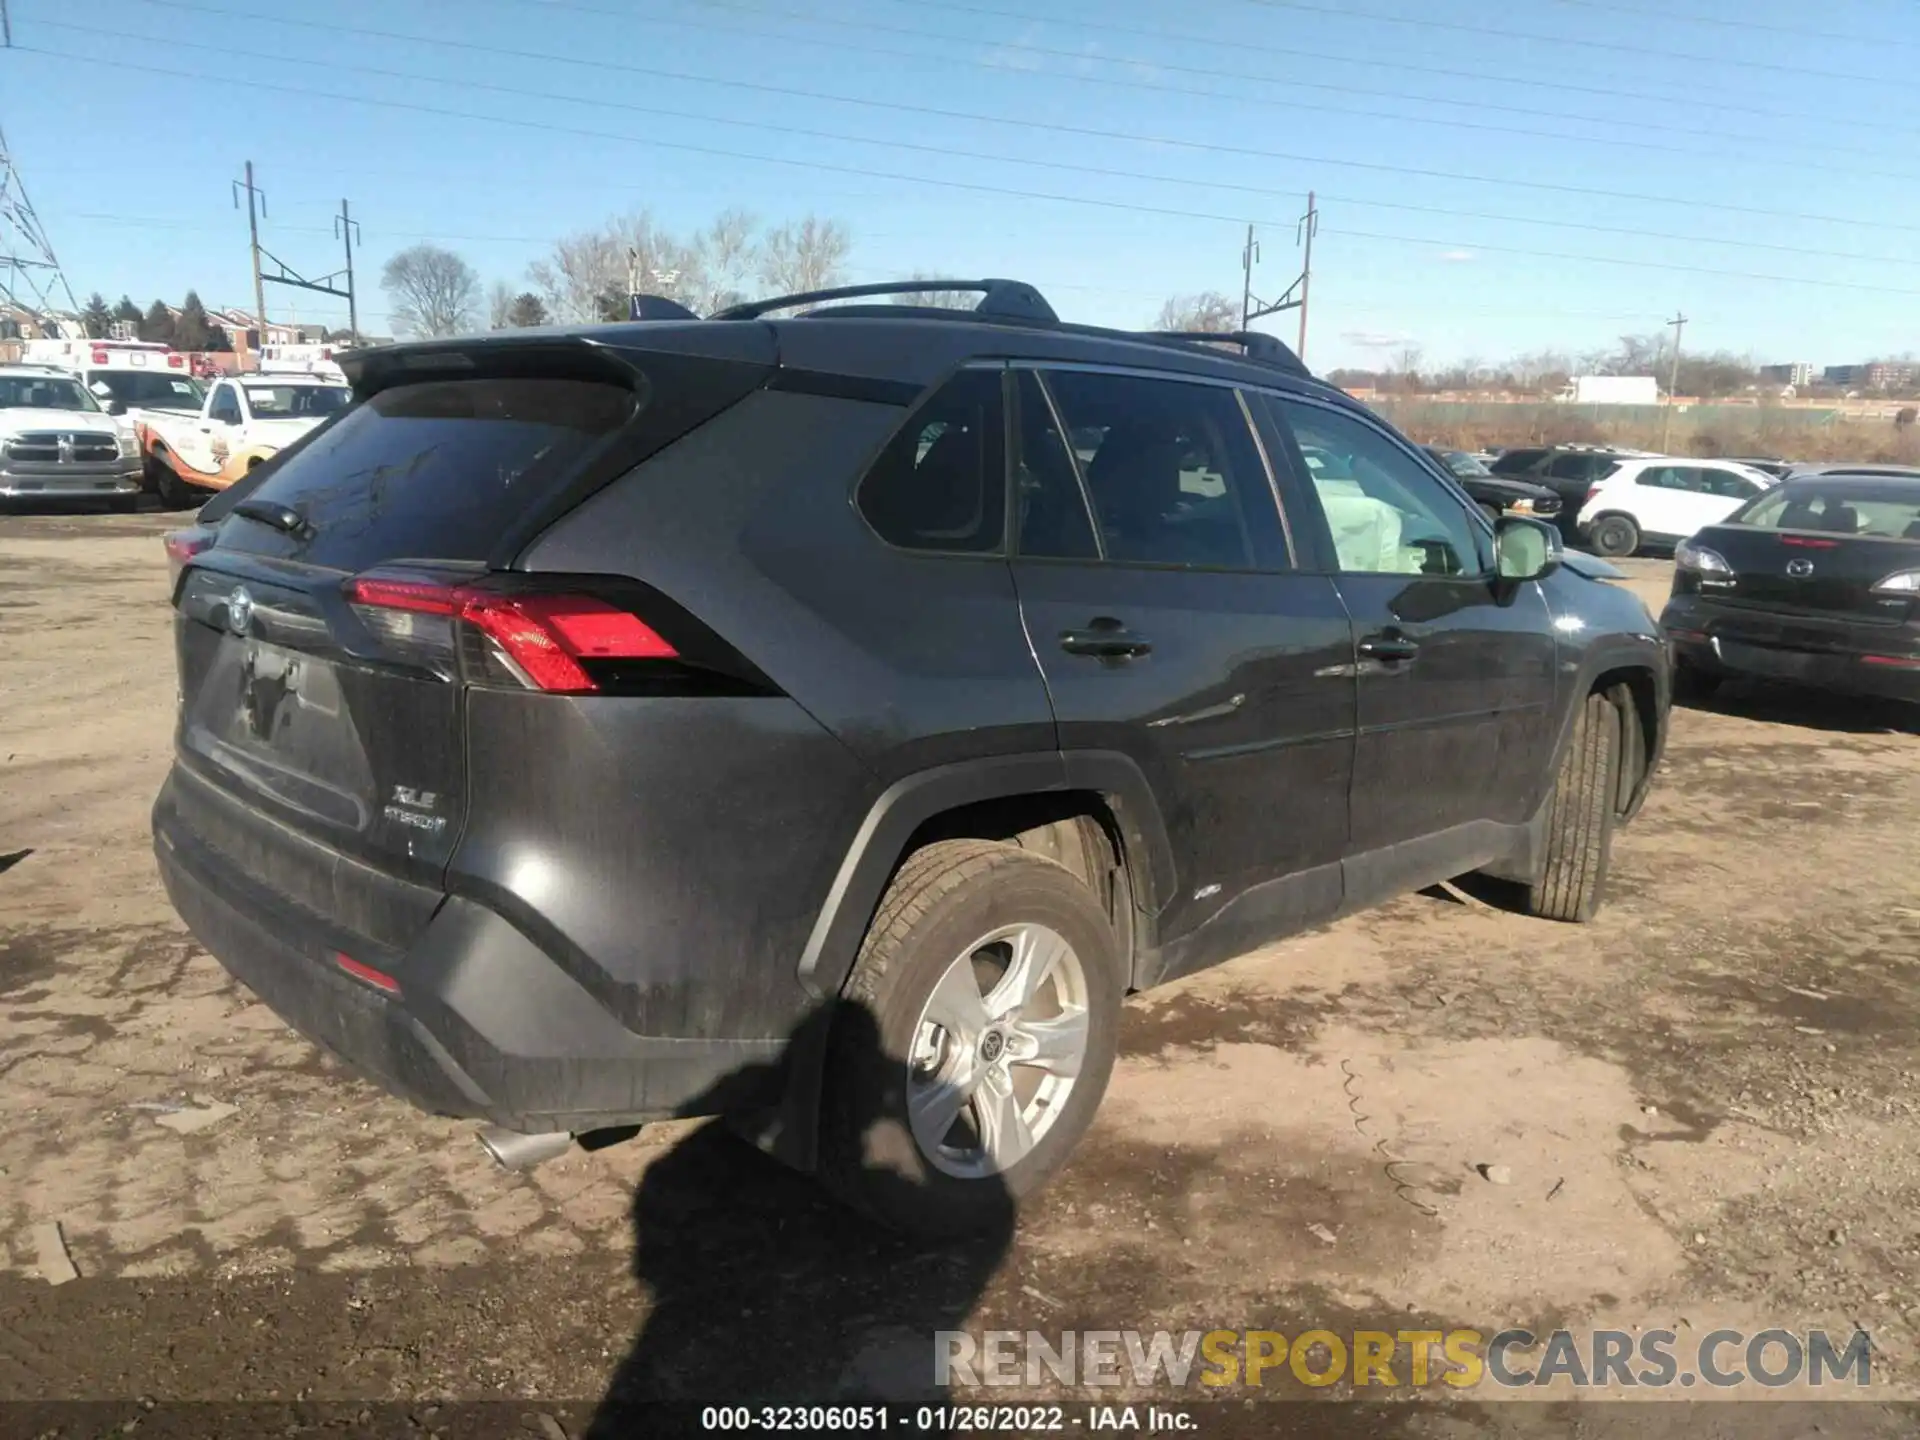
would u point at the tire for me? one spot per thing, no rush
(1580, 815)
(1615, 536)
(174, 493)
(1692, 685)
(885, 1048)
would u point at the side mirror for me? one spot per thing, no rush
(116, 407)
(1524, 549)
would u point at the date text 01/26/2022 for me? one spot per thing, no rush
(944, 1419)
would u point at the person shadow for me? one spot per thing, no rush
(762, 1288)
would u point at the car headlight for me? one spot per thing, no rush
(1689, 556)
(129, 447)
(1901, 582)
(1520, 507)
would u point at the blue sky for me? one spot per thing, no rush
(1476, 161)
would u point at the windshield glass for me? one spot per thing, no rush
(278, 402)
(44, 392)
(147, 389)
(1839, 506)
(1464, 465)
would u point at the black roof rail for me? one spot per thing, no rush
(1009, 299)
(1261, 348)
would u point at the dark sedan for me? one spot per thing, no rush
(1815, 582)
(1494, 494)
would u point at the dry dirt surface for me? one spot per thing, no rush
(1706, 1102)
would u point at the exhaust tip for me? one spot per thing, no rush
(513, 1150)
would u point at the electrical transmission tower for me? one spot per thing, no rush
(1295, 298)
(30, 274)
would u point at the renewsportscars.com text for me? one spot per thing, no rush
(1460, 1358)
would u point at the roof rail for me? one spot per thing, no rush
(1008, 299)
(1261, 348)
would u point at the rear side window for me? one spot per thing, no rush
(442, 469)
(940, 484)
(1728, 484)
(1672, 477)
(1172, 471)
(1515, 462)
(1889, 512)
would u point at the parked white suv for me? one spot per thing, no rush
(1658, 500)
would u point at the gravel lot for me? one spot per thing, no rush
(1709, 1102)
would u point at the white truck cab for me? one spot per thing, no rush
(246, 419)
(57, 443)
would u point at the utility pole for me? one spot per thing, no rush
(1295, 298)
(347, 229)
(1308, 228)
(254, 212)
(1679, 323)
(1247, 258)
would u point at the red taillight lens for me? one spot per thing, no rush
(544, 639)
(1892, 662)
(1592, 490)
(379, 979)
(183, 545)
(99, 357)
(174, 362)
(1808, 544)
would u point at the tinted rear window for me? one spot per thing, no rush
(1515, 461)
(438, 469)
(156, 390)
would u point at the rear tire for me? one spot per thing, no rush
(890, 1061)
(1580, 816)
(1615, 536)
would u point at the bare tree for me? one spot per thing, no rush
(1209, 311)
(1406, 366)
(809, 254)
(500, 306)
(432, 291)
(726, 254)
(938, 299)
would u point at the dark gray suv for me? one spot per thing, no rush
(579, 727)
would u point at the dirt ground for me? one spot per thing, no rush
(1708, 1103)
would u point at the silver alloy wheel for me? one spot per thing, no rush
(997, 1050)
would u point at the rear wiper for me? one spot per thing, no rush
(283, 518)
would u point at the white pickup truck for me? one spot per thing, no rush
(246, 419)
(56, 443)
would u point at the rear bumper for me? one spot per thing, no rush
(485, 1024)
(1837, 655)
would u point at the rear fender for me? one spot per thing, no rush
(881, 844)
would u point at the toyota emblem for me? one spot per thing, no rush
(1799, 569)
(239, 610)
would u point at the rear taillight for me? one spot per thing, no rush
(1701, 560)
(1904, 583)
(379, 979)
(174, 362)
(541, 641)
(100, 357)
(1592, 490)
(183, 545)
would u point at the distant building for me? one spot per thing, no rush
(1878, 375)
(1798, 374)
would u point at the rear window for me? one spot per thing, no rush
(1840, 507)
(440, 469)
(1514, 461)
(280, 402)
(149, 389)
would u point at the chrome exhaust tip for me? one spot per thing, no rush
(513, 1150)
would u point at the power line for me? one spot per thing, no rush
(935, 182)
(1772, 141)
(1612, 46)
(946, 151)
(1560, 85)
(1823, 165)
(1722, 22)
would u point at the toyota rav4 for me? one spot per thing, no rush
(576, 724)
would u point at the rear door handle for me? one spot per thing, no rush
(1389, 648)
(1107, 639)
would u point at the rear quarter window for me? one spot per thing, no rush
(442, 469)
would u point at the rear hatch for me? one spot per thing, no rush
(359, 585)
(1821, 550)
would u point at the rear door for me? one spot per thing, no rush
(326, 639)
(1455, 674)
(1163, 600)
